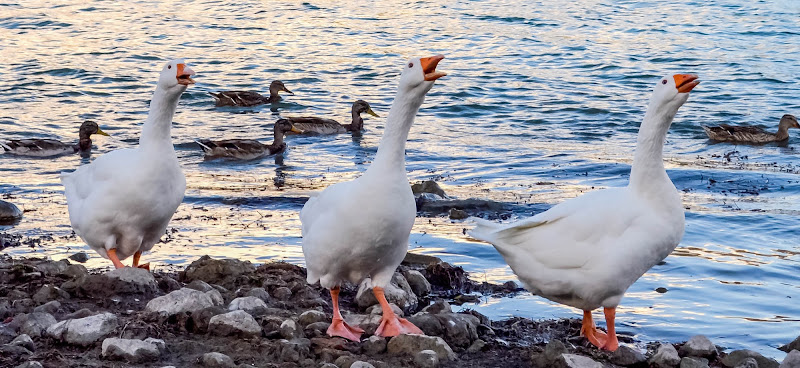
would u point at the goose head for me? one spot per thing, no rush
(419, 74)
(176, 76)
(789, 121)
(89, 127)
(277, 86)
(672, 91)
(361, 106)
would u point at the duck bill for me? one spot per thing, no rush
(185, 74)
(296, 130)
(685, 82)
(101, 132)
(369, 111)
(287, 91)
(429, 67)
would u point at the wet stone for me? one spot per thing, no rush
(132, 280)
(627, 356)
(35, 324)
(49, 292)
(792, 360)
(411, 344)
(50, 307)
(234, 323)
(282, 293)
(665, 357)
(217, 360)
(439, 306)
(80, 257)
(694, 362)
(200, 285)
(179, 301)
(735, 357)
(794, 345)
(75, 271)
(418, 283)
(259, 293)
(374, 345)
(457, 214)
(699, 346)
(84, 331)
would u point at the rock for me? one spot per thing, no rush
(415, 259)
(51, 268)
(24, 341)
(35, 324)
(216, 297)
(328, 365)
(9, 213)
(694, 362)
(159, 344)
(361, 364)
(217, 360)
(80, 257)
(411, 344)
(792, 360)
(50, 307)
(310, 316)
(200, 285)
(374, 345)
(578, 361)
(13, 352)
(665, 357)
(316, 329)
(179, 301)
(376, 309)
(428, 186)
(439, 306)
(49, 292)
(282, 293)
(426, 359)
(418, 283)
(30, 364)
(698, 346)
(552, 353)
(460, 329)
(627, 356)
(225, 272)
(260, 293)
(295, 350)
(132, 280)
(249, 304)
(428, 323)
(75, 271)
(398, 292)
(81, 313)
(290, 330)
(794, 345)
(84, 331)
(234, 323)
(456, 214)
(737, 356)
(131, 350)
(747, 363)
(476, 346)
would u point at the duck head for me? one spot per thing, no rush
(361, 106)
(89, 127)
(277, 86)
(789, 121)
(176, 75)
(419, 74)
(282, 126)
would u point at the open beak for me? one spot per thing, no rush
(287, 91)
(429, 67)
(185, 74)
(685, 82)
(298, 131)
(369, 111)
(101, 132)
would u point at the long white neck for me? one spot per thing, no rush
(156, 132)
(648, 170)
(392, 149)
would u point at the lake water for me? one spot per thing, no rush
(542, 102)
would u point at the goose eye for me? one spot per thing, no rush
(664, 81)
(169, 66)
(410, 65)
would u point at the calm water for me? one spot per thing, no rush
(538, 92)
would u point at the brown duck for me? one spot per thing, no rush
(751, 134)
(316, 125)
(50, 147)
(250, 98)
(248, 149)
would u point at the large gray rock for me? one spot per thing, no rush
(9, 212)
(49, 307)
(30, 364)
(411, 344)
(51, 268)
(249, 304)
(200, 285)
(216, 297)
(216, 360)
(84, 331)
(694, 362)
(361, 364)
(23, 340)
(377, 309)
(699, 346)
(458, 329)
(260, 293)
(234, 323)
(374, 345)
(737, 356)
(418, 283)
(792, 360)
(132, 280)
(665, 357)
(426, 359)
(794, 345)
(626, 356)
(35, 324)
(747, 363)
(179, 301)
(578, 361)
(225, 272)
(398, 292)
(131, 350)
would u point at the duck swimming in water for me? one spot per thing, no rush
(751, 134)
(250, 98)
(52, 147)
(315, 125)
(248, 149)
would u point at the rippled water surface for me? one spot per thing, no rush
(542, 102)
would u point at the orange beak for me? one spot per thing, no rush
(685, 82)
(185, 74)
(429, 67)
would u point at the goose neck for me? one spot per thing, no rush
(648, 161)
(391, 150)
(156, 132)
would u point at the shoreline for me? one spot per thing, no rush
(268, 316)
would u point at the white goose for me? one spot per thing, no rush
(121, 203)
(338, 249)
(587, 251)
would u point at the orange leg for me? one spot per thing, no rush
(338, 326)
(588, 330)
(612, 343)
(390, 324)
(112, 255)
(136, 257)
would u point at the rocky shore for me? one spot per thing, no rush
(229, 313)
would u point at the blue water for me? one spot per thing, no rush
(542, 103)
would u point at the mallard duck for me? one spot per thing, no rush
(587, 251)
(248, 149)
(9, 212)
(121, 203)
(52, 147)
(250, 98)
(317, 125)
(751, 134)
(338, 249)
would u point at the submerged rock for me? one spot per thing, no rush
(131, 350)
(428, 186)
(84, 331)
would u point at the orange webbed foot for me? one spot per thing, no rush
(146, 266)
(393, 326)
(340, 328)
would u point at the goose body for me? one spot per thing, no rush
(751, 134)
(316, 125)
(250, 98)
(359, 229)
(248, 149)
(121, 203)
(587, 251)
(34, 147)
